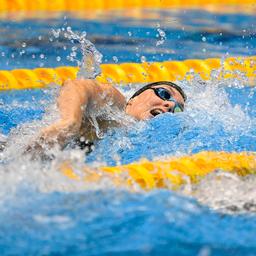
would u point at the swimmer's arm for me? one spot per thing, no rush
(76, 97)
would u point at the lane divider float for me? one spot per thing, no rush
(79, 5)
(126, 73)
(170, 173)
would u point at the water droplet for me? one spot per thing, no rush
(143, 59)
(58, 58)
(24, 45)
(161, 32)
(41, 56)
(129, 33)
(56, 33)
(115, 59)
(204, 39)
(162, 36)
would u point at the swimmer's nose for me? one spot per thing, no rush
(168, 106)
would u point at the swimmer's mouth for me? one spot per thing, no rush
(155, 112)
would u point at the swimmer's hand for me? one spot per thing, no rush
(60, 132)
(55, 135)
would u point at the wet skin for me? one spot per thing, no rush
(147, 104)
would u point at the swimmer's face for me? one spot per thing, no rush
(148, 105)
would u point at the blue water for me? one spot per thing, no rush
(189, 34)
(112, 221)
(121, 223)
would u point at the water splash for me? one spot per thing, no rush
(226, 192)
(161, 35)
(91, 57)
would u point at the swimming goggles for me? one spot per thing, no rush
(164, 94)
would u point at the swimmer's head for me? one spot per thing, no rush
(156, 98)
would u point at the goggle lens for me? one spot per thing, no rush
(177, 109)
(164, 94)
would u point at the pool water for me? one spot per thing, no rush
(152, 35)
(44, 213)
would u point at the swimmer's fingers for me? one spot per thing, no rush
(34, 147)
(37, 150)
(59, 132)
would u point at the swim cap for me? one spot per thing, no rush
(171, 84)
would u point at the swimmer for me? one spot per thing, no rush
(82, 100)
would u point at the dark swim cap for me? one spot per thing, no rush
(171, 84)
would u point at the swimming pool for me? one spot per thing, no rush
(43, 212)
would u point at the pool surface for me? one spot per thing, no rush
(152, 35)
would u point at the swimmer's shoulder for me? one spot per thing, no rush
(102, 92)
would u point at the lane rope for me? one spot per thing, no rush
(78, 5)
(170, 173)
(126, 73)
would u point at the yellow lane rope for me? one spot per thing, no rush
(71, 5)
(170, 173)
(132, 72)
(131, 13)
